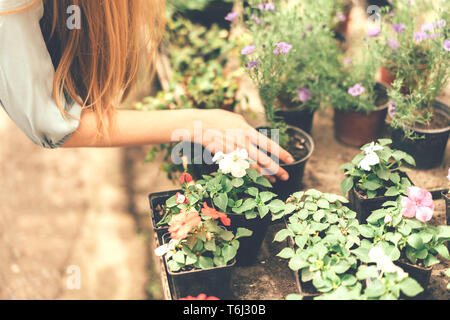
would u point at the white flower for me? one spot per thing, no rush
(372, 148)
(235, 162)
(162, 250)
(387, 219)
(384, 263)
(369, 160)
(376, 254)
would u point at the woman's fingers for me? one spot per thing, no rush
(269, 145)
(268, 166)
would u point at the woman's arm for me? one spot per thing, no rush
(217, 130)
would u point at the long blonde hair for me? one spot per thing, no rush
(97, 65)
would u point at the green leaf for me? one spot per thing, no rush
(311, 206)
(300, 241)
(276, 206)
(415, 241)
(410, 287)
(395, 178)
(228, 253)
(221, 201)
(392, 192)
(243, 232)
(286, 253)
(317, 216)
(366, 231)
(294, 296)
(263, 182)
(249, 204)
(282, 235)
(371, 185)
(173, 266)
(205, 262)
(383, 173)
(263, 211)
(367, 272)
(266, 196)
(443, 251)
(346, 185)
(179, 257)
(323, 203)
(237, 182)
(296, 263)
(210, 245)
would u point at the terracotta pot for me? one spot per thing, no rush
(386, 77)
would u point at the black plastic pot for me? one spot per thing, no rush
(446, 197)
(429, 151)
(421, 274)
(365, 206)
(295, 170)
(249, 247)
(213, 13)
(212, 281)
(302, 118)
(156, 199)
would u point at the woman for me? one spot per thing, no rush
(65, 66)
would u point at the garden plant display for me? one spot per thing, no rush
(324, 251)
(374, 176)
(401, 228)
(416, 58)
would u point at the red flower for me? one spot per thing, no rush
(201, 296)
(214, 214)
(183, 223)
(181, 198)
(185, 178)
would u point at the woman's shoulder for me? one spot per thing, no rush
(15, 6)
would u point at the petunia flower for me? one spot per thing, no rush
(282, 48)
(248, 50)
(185, 178)
(447, 45)
(371, 158)
(374, 32)
(183, 223)
(214, 214)
(427, 27)
(181, 198)
(235, 162)
(304, 94)
(387, 219)
(232, 16)
(419, 204)
(441, 23)
(356, 90)
(384, 263)
(201, 296)
(398, 27)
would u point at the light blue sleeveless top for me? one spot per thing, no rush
(26, 78)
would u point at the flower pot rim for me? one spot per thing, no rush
(305, 135)
(172, 273)
(445, 194)
(151, 197)
(403, 260)
(439, 104)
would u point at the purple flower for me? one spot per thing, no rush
(435, 35)
(269, 6)
(374, 33)
(427, 27)
(282, 48)
(392, 43)
(356, 90)
(447, 45)
(348, 61)
(231, 16)
(420, 36)
(398, 27)
(304, 94)
(441, 23)
(392, 108)
(248, 50)
(253, 64)
(256, 19)
(341, 17)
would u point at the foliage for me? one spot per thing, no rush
(416, 57)
(208, 246)
(404, 237)
(383, 178)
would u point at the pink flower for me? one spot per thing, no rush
(185, 178)
(447, 45)
(398, 27)
(448, 177)
(374, 33)
(356, 90)
(282, 48)
(341, 17)
(248, 50)
(419, 203)
(304, 94)
(231, 16)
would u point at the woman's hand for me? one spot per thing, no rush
(225, 131)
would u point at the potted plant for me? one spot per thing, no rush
(402, 230)
(374, 176)
(418, 62)
(246, 196)
(267, 62)
(321, 235)
(294, 30)
(446, 196)
(199, 253)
